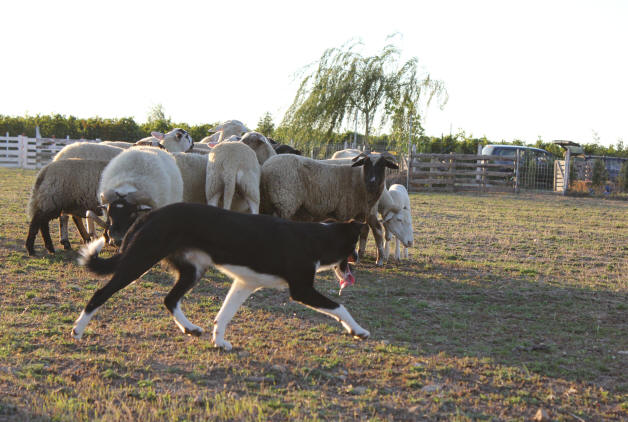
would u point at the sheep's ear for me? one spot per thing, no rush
(391, 164)
(157, 135)
(360, 162)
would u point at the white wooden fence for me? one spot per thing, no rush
(31, 153)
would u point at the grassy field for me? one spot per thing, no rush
(509, 304)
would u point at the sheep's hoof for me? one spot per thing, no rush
(66, 245)
(50, 249)
(30, 251)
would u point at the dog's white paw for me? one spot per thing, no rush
(76, 333)
(224, 344)
(361, 334)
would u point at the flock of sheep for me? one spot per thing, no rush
(250, 173)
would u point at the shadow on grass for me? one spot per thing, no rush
(572, 333)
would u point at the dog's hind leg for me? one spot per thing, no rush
(235, 298)
(307, 295)
(130, 268)
(188, 275)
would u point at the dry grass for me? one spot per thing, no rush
(508, 304)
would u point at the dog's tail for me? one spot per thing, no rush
(89, 258)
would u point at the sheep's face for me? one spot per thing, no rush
(177, 140)
(400, 224)
(120, 216)
(374, 171)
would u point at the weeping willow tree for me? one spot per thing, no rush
(343, 84)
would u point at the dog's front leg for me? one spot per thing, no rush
(235, 298)
(307, 295)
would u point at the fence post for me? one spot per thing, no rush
(432, 170)
(517, 164)
(22, 148)
(567, 169)
(452, 169)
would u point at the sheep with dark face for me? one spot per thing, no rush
(300, 188)
(393, 206)
(138, 180)
(282, 148)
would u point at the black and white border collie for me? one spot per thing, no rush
(256, 251)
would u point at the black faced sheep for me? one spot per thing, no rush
(300, 188)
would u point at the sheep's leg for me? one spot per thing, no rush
(78, 222)
(63, 231)
(397, 255)
(253, 206)
(44, 228)
(214, 200)
(32, 233)
(91, 229)
(308, 296)
(188, 275)
(362, 246)
(228, 193)
(238, 293)
(405, 252)
(387, 239)
(376, 227)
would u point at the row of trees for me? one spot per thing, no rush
(119, 129)
(126, 129)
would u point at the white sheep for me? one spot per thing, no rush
(346, 153)
(139, 179)
(399, 223)
(119, 144)
(177, 140)
(67, 186)
(258, 143)
(88, 151)
(225, 130)
(193, 168)
(300, 188)
(233, 177)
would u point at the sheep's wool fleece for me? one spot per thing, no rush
(292, 183)
(88, 151)
(193, 169)
(66, 185)
(147, 169)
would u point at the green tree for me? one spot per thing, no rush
(265, 125)
(622, 179)
(346, 84)
(599, 175)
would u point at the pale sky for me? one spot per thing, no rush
(513, 69)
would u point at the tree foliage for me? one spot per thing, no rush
(346, 84)
(599, 174)
(265, 125)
